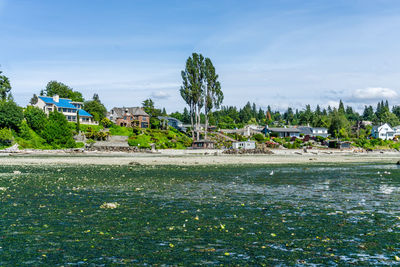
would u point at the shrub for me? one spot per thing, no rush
(11, 115)
(259, 137)
(57, 132)
(5, 137)
(35, 118)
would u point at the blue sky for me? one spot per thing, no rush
(276, 53)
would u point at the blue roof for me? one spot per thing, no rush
(84, 113)
(62, 103)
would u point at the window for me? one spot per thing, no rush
(59, 109)
(144, 119)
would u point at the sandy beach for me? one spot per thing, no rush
(195, 157)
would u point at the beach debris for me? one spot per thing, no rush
(110, 205)
(397, 258)
(271, 173)
(3, 188)
(134, 163)
(16, 172)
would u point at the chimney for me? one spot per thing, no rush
(56, 98)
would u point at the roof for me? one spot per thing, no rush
(203, 141)
(306, 130)
(62, 103)
(168, 118)
(284, 130)
(135, 111)
(84, 113)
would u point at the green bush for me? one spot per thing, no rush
(57, 132)
(35, 118)
(6, 137)
(259, 137)
(11, 115)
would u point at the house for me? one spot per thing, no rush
(66, 106)
(203, 144)
(129, 117)
(396, 130)
(384, 132)
(177, 124)
(244, 145)
(281, 132)
(314, 131)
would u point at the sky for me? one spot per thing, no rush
(278, 53)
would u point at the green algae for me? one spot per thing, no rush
(314, 214)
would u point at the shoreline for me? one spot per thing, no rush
(195, 158)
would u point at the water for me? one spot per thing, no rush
(301, 215)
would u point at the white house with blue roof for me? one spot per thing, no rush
(69, 108)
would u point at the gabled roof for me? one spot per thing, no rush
(169, 119)
(283, 130)
(62, 103)
(135, 111)
(84, 113)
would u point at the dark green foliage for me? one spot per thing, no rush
(36, 118)
(5, 137)
(64, 91)
(57, 132)
(5, 87)
(95, 108)
(154, 113)
(11, 115)
(259, 137)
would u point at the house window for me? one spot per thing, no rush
(144, 119)
(144, 125)
(59, 109)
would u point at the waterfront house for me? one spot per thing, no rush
(203, 144)
(396, 130)
(173, 122)
(66, 106)
(313, 131)
(244, 145)
(129, 117)
(281, 132)
(384, 132)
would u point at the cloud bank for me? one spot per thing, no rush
(374, 93)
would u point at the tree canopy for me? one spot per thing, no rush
(95, 108)
(64, 91)
(5, 87)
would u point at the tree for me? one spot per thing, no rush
(34, 99)
(11, 115)
(36, 118)
(154, 113)
(64, 91)
(95, 106)
(192, 88)
(213, 95)
(338, 122)
(57, 132)
(5, 87)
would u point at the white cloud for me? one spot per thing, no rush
(374, 93)
(160, 95)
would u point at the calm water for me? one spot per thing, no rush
(303, 214)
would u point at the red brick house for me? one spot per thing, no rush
(129, 117)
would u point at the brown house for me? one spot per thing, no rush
(129, 117)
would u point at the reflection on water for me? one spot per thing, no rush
(302, 214)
